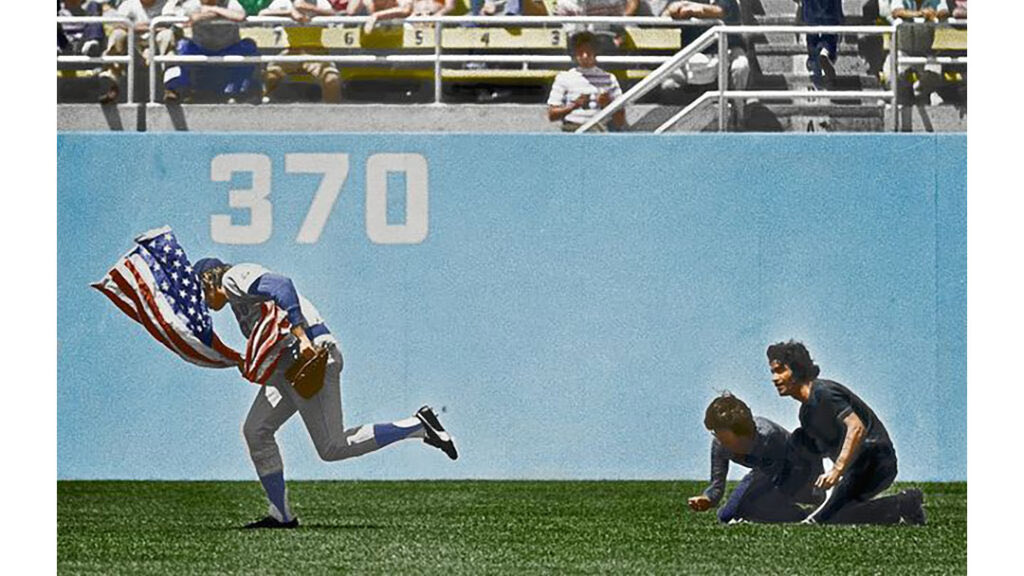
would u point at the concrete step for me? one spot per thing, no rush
(774, 6)
(793, 43)
(846, 65)
(802, 81)
(774, 118)
(790, 46)
(794, 20)
(943, 118)
(825, 109)
(826, 118)
(850, 7)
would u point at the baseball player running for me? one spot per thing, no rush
(245, 287)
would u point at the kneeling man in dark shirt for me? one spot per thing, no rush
(836, 423)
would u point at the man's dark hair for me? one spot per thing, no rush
(728, 412)
(582, 38)
(214, 277)
(795, 355)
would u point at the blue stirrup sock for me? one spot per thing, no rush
(273, 485)
(385, 434)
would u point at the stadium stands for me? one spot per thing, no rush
(516, 63)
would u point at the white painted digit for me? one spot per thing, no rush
(334, 167)
(414, 229)
(254, 199)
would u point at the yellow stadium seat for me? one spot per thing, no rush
(950, 39)
(946, 39)
(653, 39)
(502, 38)
(264, 37)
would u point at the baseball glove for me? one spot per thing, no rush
(307, 375)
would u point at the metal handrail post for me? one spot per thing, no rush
(130, 99)
(723, 57)
(153, 63)
(128, 59)
(437, 61)
(894, 74)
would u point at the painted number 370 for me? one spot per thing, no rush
(334, 167)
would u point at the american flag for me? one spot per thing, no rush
(268, 344)
(154, 284)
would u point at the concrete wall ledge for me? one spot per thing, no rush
(96, 118)
(409, 118)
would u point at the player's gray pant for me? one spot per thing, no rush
(321, 414)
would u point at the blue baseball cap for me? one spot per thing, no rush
(204, 264)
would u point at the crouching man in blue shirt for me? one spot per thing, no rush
(777, 482)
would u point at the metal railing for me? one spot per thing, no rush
(667, 64)
(719, 33)
(128, 58)
(437, 58)
(899, 62)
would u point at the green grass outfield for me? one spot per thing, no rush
(476, 527)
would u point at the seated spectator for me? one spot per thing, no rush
(702, 69)
(140, 12)
(930, 10)
(303, 40)
(393, 9)
(651, 7)
(613, 34)
(254, 7)
(822, 49)
(960, 10)
(496, 7)
(215, 32)
(916, 39)
(581, 92)
(596, 7)
(80, 39)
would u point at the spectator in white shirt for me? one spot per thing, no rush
(578, 94)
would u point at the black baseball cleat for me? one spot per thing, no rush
(435, 433)
(911, 503)
(271, 522)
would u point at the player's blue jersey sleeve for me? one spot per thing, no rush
(282, 291)
(719, 470)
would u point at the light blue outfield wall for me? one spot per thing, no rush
(574, 306)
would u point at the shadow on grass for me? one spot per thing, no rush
(302, 527)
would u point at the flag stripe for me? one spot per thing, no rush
(251, 343)
(223, 349)
(270, 337)
(144, 319)
(118, 301)
(264, 348)
(185, 349)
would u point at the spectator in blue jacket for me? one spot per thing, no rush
(822, 49)
(80, 39)
(215, 32)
